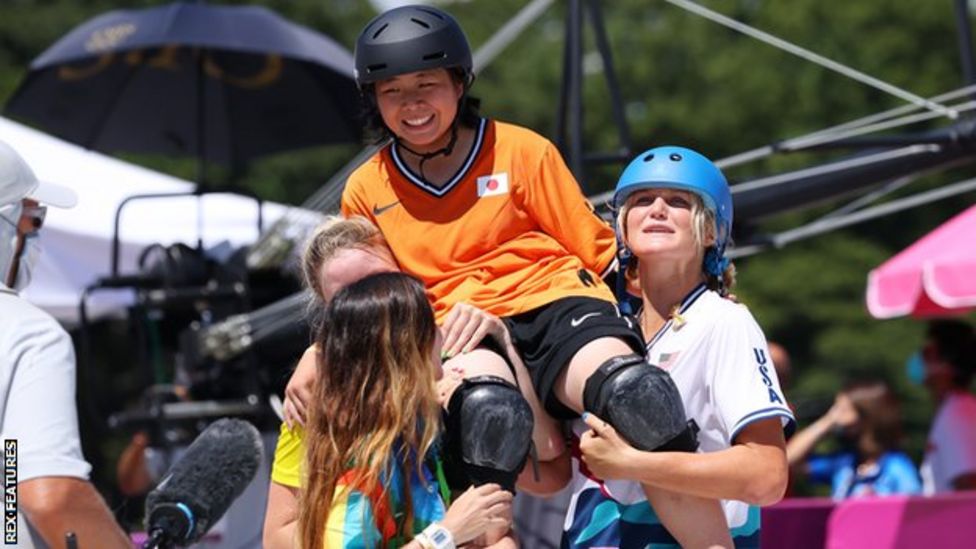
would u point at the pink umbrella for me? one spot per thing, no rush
(932, 277)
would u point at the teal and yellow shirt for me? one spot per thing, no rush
(358, 519)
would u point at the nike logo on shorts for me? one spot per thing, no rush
(577, 321)
(377, 210)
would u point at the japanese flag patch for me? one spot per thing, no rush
(491, 185)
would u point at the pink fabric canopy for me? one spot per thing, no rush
(932, 277)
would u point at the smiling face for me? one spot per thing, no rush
(419, 107)
(660, 224)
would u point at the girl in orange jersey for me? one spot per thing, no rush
(487, 213)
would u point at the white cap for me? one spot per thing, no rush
(17, 181)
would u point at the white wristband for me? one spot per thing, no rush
(424, 541)
(438, 536)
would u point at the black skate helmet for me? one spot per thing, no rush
(409, 39)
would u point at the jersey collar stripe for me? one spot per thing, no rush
(686, 304)
(461, 173)
(690, 299)
(660, 333)
(610, 268)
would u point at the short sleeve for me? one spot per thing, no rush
(40, 410)
(742, 376)
(287, 467)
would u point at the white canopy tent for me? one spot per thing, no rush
(77, 242)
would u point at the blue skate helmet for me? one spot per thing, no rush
(683, 169)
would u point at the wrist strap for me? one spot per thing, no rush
(438, 536)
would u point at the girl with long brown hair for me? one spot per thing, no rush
(372, 473)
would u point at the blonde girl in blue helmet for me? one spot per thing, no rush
(674, 221)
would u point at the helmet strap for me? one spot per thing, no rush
(623, 301)
(424, 157)
(446, 150)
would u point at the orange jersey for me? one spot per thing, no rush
(510, 232)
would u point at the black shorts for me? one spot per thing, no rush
(548, 337)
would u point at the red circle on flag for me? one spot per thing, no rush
(492, 184)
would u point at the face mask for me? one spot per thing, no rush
(915, 368)
(9, 215)
(28, 260)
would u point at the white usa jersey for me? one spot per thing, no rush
(717, 356)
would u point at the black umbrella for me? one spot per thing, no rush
(224, 83)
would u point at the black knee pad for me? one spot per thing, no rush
(488, 433)
(642, 403)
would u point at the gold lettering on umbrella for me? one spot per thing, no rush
(101, 40)
(165, 58)
(109, 37)
(268, 74)
(79, 72)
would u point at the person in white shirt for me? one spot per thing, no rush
(675, 217)
(38, 420)
(949, 359)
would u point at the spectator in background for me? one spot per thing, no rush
(866, 416)
(784, 368)
(949, 358)
(37, 382)
(782, 364)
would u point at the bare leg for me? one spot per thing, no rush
(694, 522)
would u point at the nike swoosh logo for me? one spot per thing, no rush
(577, 321)
(378, 210)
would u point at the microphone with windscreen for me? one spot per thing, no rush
(200, 487)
